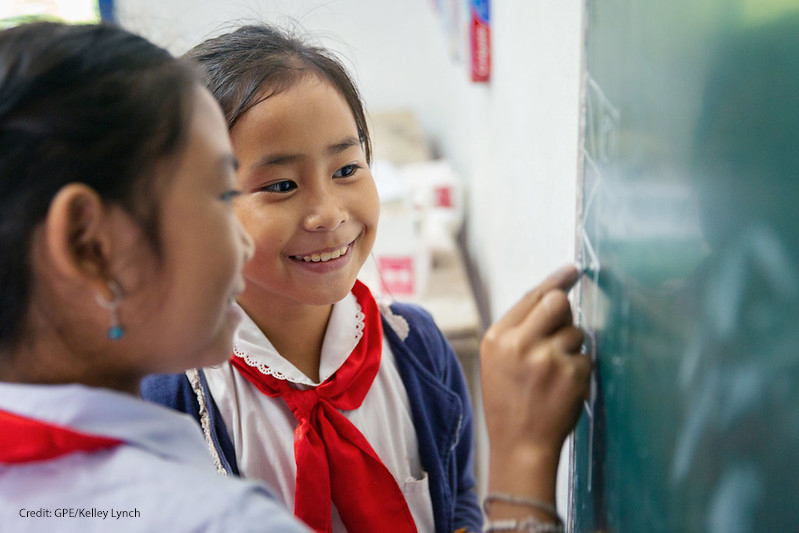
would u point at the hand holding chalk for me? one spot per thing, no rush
(534, 381)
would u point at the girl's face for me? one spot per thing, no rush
(309, 200)
(204, 248)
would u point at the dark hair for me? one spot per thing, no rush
(246, 66)
(80, 103)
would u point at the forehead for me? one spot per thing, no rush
(311, 107)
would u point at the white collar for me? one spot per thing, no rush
(104, 412)
(344, 330)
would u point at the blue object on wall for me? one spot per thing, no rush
(107, 13)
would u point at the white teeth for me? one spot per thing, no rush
(325, 256)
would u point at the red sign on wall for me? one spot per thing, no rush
(396, 274)
(480, 38)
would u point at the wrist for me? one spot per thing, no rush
(525, 472)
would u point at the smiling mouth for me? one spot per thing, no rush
(324, 256)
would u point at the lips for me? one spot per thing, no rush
(322, 257)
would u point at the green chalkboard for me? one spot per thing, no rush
(689, 228)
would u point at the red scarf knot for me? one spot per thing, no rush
(334, 460)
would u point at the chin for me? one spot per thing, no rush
(329, 295)
(218, 350)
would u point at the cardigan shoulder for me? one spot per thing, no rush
(420, 335)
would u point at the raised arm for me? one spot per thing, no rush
(534, 381)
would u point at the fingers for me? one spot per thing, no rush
(572, 367)
(583, 369)
(569, 339)
(562, 279)
(560, 353)
(552, 313)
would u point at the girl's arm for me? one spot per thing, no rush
(534, 381)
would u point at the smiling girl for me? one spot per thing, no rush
(356, 412)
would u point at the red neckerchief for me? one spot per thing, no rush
(25, 440)
(334, 460)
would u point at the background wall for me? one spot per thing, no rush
(514, 141)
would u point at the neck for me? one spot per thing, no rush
(41, 363)
(295, 330)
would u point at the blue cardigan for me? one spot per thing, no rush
(440, 407)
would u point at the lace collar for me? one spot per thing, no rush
(344, 330)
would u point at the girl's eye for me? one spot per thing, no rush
(228, 196)
(346, 171)
(281, 186)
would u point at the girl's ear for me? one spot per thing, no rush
(79, 236)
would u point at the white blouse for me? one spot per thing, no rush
(159, 479)
(262, 428)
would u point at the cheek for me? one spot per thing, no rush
(232, 259)
(369, 204)
(261, 264)
(145, 278)
(270, 225)
(262, 222)
(208, 268)
(267, 229)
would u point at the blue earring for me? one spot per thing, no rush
(115, 330)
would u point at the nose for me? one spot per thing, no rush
(326, 211)
(247, 244)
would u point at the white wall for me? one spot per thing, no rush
(514, 140)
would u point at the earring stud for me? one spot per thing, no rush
(115, 330)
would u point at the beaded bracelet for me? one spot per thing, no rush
(528, 524)
(518, 500)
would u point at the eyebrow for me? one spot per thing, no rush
(284, 159)
(343, 145)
